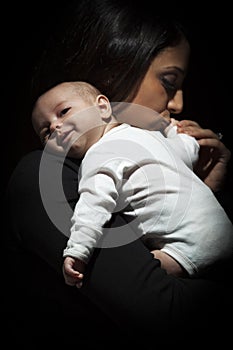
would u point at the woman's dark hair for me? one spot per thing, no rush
(108, 43)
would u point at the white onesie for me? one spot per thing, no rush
(149, 179)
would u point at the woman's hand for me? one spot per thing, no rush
(213, 156)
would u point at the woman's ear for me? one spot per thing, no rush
(104, 106)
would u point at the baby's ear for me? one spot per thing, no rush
(104, 106)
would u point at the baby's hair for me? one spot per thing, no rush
(85, 90)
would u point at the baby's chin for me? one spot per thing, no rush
(76, 152)
(55, 149)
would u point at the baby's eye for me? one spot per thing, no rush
(64, 111)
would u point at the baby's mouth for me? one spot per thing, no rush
(63, 137)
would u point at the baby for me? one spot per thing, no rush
(146, 175)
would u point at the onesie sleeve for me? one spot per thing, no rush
(98, 195)
(100, 177)
(185, 146)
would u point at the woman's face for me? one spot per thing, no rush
(161, 88)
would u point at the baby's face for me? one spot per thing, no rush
(65, 123)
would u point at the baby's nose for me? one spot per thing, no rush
(56, 125)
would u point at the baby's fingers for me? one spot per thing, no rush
(71, 276)
(68, 265)
(73, 273)
(69, 280)
(72, 281)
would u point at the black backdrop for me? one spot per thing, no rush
(208, 89)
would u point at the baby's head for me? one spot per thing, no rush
(71, 114)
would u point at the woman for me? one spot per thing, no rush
(116, 47)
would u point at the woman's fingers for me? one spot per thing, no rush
(194, 129)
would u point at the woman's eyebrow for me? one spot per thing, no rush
(182, 71)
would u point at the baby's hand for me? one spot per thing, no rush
(73, 271)
(174, 121)
(171, 129)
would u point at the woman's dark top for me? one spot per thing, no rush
(125, 291)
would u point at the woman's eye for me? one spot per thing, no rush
(64, 111)
(169, 86)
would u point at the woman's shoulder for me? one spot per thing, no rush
(27, 163)
(27, 169)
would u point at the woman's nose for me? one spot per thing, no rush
(175, 105)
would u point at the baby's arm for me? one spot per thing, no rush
(73, 271)
(169, 264)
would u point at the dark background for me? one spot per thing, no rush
(208, 99)
(208, 88)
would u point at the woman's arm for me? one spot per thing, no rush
(126, 283)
